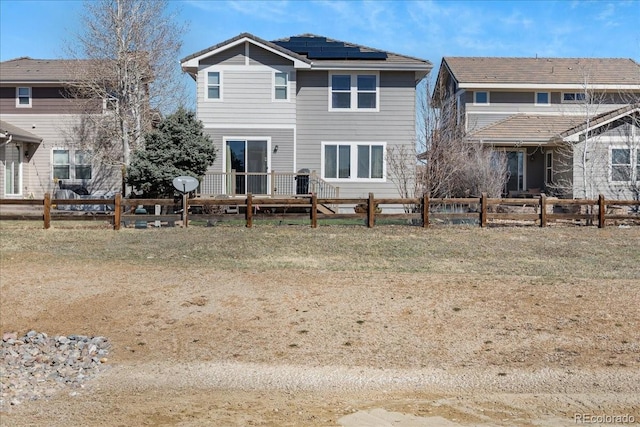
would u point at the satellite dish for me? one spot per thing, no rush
(185, 184)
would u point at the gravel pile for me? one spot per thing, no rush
(37, 366)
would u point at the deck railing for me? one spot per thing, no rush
(274, 184)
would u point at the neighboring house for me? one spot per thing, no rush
(306, 103)
(569, 126)
(41, 146)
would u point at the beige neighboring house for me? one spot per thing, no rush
(40, 149)
(569, 126)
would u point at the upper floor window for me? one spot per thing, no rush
(214, 86)
(574, 97)
(353, 161)
(281, 86)
(71, 164)
(354, 91)
(543, 98)
(480, 97)
(23, 97)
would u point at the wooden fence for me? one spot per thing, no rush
(422, 211)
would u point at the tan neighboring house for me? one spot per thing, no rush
(40, 147)
(569, 126)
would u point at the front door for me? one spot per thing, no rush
(250, 160)
(13, 170)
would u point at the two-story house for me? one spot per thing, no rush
(42, 146)
(306, 103)
(568, 126)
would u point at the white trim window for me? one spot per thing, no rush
(354, 161)
(23, 97)
(281, 86)
(214, 85)
(71, 164)
(354, 91)
(573, 97)
(624, 164)
(481, 97)
(543, 98)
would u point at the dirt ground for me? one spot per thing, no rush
(200, 346)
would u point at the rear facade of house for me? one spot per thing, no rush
(304, 114)
(569, 126)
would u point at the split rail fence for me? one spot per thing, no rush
(423, 211)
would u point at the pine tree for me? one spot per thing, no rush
(177, 147)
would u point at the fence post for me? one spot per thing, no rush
(543, 210)
(425, 210)
(249, 213)
(371, 211)
(46, 211)
(313, 182)
(483, 210)
(314, 210)
(601, 211)
(117, 211)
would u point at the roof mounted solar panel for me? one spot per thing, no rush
(306, 39)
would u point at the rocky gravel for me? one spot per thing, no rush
(37, 366)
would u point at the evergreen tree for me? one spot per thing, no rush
(177, 147)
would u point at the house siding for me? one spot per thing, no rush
(45, 100)
(393, 124)
(37, 172)
(248, 94)
(599, 165)
(282, 161)
(232, 56)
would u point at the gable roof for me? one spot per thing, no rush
(7, 130)
(29, 70)
(496, 72)
(601, 120)
(293, 49)
(193, 59)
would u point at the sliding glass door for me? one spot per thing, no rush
(250, 160)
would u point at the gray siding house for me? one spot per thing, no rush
(277, 110)
(40, 149)
(569, 126)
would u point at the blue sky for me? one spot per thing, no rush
(424, 29)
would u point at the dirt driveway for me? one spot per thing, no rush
(200, 345)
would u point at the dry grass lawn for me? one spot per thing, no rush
(288, 325)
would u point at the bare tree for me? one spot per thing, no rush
(454, 166)
(127, 52)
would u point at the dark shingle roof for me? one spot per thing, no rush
(389, 57)
(492, 70)
(392, 59)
